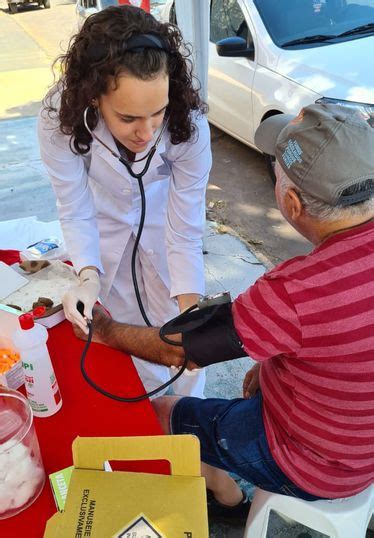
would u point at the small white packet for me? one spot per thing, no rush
(45, 249)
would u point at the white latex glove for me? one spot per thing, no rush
(87, 291)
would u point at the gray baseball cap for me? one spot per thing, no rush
(326, 149)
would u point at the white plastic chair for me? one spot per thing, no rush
(338, 518)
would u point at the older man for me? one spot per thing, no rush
(305, 425)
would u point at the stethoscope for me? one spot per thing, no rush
(127, 163)
(139, 178)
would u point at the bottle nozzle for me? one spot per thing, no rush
(26, 321)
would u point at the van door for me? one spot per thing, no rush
(230, 79)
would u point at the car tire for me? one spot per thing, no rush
(270, 161)
(47, 4)
(13, 8)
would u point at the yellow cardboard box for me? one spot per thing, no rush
(121, 504)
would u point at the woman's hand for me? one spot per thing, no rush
(86, 292)
(251, 383)
(100, 323)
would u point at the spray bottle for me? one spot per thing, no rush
(41, 385)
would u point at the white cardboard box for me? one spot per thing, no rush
(52, 282)
(14, 378)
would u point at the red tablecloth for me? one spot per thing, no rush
(84, 412)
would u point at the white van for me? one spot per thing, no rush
(275, 56)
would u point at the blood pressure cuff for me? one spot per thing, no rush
(208, 335)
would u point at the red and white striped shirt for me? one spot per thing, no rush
(311, 321)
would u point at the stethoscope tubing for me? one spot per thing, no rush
(139, 178)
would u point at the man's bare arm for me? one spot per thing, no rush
(143, 342)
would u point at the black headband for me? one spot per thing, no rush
(136, 43)
(139, 42)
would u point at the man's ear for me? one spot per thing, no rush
(294, 205)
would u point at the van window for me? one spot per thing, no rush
(288, 20)
(227, 20)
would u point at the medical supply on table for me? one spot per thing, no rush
(11, 373)
(22, 473)
(207, 331)
(45, 249)
(44, 287)
(41, 384)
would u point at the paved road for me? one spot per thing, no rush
(29, 41)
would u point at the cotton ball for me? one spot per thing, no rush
(16, 464)
(17, 453)
(6, 497)
(3, 472)
(38, 474)
(4, 465)
(23, 494)
(20, 472)
(22, 476)
(22, 482)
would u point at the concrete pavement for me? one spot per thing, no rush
(24, 73)
(28, 46)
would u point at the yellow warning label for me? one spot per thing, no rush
(140, 527)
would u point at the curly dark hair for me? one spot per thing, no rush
(96, 55)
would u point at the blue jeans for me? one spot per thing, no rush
(232, 437)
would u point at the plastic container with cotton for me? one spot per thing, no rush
(22, 473)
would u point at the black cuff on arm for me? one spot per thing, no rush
(215, 340)
(208, 334)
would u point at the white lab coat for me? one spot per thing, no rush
(99, 209)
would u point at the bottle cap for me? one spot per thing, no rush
(26, 321)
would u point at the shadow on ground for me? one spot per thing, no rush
(27, 110)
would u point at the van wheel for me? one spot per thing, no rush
(13, 8)
(270, 162)
(47, 4)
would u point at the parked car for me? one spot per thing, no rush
(85, 8)
(13, 4)
(269, 57)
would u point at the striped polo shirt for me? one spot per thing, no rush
(310, 321)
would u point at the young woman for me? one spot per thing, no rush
(127, 86)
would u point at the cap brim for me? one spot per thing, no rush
(267, 132)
